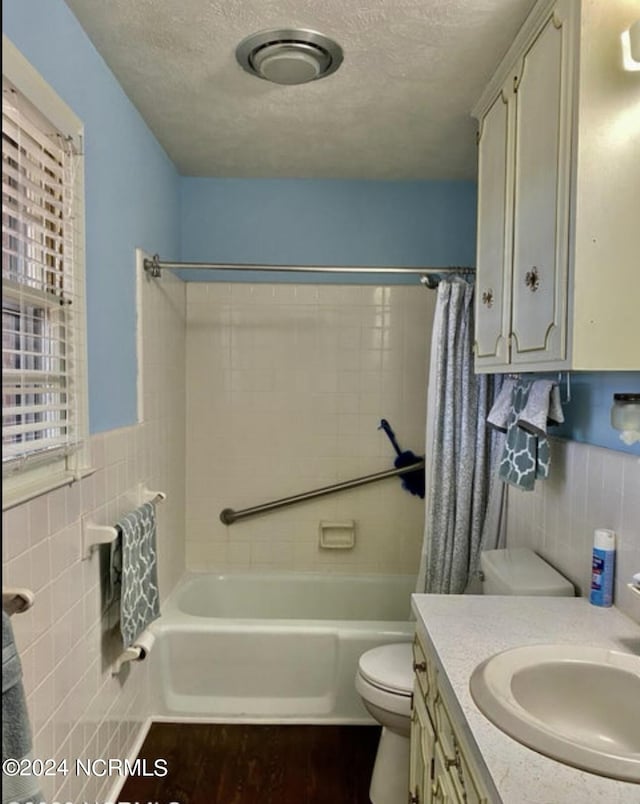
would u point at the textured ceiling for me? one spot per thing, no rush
(398, 107)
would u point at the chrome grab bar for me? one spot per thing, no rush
(228, 516)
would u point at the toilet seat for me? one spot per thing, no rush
(389, 668)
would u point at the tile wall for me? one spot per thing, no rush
(589, 487)
(77, 708)
(286, 388)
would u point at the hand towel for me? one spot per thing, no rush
(16, 729)
(134, 572)
(542, 407)
(501, 408)
(525, 456)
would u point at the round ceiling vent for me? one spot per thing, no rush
(289, 56)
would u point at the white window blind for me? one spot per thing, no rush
(42, 305)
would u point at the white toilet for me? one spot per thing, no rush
(385, 674)
(384, 681)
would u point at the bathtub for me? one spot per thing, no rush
(279, 647)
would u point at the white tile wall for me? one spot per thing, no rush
(77, 708)
(589, 487)
(286, 388)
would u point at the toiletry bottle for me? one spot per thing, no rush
(603, 564)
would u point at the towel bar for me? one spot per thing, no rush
(140, 649)
(94, 535)
(152, 496)
(15, 601)
(132, 654)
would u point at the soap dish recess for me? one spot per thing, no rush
(337, 535)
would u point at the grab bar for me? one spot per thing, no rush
(228, 516)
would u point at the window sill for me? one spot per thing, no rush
(22, 494)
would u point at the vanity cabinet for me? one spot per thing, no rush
(555, 266)
(441, 768)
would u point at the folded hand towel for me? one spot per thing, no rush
(134, 572)
(501, 409)
(542, 408)
(16, 729)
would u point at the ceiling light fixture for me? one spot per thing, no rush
(289, 55)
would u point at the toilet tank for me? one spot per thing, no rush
(520, 571)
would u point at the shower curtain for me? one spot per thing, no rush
(458, 448)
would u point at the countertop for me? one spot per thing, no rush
(463, 630)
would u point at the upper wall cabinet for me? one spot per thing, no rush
(558, 266)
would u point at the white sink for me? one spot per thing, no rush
(575, 703)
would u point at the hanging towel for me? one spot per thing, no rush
(501, 408)
(543, 407)
(134, 572)
(526, 456)
(16, 729)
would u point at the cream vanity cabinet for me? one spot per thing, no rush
(558, 271)
(441, 768)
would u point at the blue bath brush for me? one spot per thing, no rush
(413, 482)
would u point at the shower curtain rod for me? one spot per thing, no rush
(155, 265)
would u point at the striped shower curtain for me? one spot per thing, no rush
(458, 448)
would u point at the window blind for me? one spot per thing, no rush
(42, 304)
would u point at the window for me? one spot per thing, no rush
(43, 322)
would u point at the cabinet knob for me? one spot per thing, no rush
(487, 297)
(419, 667)
(414, 798)
(532, 279)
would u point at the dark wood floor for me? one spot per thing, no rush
(256, 764)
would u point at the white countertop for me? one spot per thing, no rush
(463, 630)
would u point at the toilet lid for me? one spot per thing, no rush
(389, 667)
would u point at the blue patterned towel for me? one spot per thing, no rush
(526, 455)
(134, 572)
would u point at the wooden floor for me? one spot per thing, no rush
(256, 764)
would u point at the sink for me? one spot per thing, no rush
(577, 704)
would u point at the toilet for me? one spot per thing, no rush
(384, 679)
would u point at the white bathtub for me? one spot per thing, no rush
(273, 647)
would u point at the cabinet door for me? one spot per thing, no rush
(541, 195)
(421, 752)
(493, 268)
(442, 787)
(463, 778)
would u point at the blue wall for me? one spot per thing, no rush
(587, 414)
(131, 190)
(326, 222)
